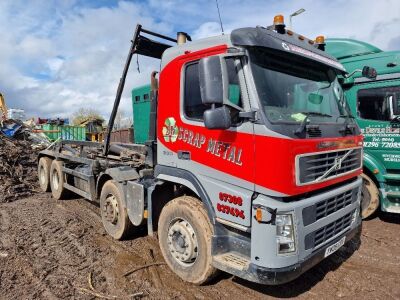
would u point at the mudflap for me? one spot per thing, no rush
(135, 194)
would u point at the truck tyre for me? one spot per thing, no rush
(44, 173)
(113, 212)
(57, 179)
(184, 232)
(369, 197)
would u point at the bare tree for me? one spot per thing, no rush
(83, 115)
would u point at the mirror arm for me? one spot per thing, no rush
(249, 115)
(348, 75)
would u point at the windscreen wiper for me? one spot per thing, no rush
(307, 114)
(346, 123)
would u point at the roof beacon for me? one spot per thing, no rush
(320, 41)
(279, 24)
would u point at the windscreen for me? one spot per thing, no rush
(291, 88)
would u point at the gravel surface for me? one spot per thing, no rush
(59, 250)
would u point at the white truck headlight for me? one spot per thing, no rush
(285, 234)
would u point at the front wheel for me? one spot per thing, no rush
(369, 197)
(184, 232)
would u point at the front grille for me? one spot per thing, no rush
(323, 166)
(328, 206)
(318, 237)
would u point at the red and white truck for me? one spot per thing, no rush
(252, 163)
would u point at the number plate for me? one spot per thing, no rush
(333, 248)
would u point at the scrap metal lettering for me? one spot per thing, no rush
(224, 150)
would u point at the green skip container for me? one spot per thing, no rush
(65, 132)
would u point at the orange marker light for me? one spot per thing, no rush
(259, 214)
(320, 39)
(375, 171)
(279, 20)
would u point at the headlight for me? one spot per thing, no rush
(285, 234)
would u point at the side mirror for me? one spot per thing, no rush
(211, 80)
(217, 118)
(369, 72)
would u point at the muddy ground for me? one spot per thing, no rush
(49, 249)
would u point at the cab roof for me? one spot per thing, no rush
(355, 54)
(345, 48)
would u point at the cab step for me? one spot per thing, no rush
(393, 194)
(232, 260)
(392, 177)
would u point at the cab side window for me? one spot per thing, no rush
(234, 94)
(376, 104)
(193, 106)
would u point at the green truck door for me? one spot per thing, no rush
(381, 135)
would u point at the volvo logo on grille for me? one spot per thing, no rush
(338, 163)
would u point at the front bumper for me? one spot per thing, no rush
(256, 258)
(277, 276)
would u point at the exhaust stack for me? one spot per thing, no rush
(182, 38)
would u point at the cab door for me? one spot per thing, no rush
(375, 106)
(221, 160)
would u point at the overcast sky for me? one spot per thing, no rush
(59, 55)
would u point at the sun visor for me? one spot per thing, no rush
(263, 37)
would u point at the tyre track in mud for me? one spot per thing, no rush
(48, 248)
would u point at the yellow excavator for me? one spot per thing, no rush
(3, 108)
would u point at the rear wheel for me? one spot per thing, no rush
(44, 173)
(113, 213)
(57, 180)
(184, 232)
(369, 197)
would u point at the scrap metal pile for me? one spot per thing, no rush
(18, 154)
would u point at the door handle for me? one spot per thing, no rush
(184, 155)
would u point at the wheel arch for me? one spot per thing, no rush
(190, 182)
(370, 164)
(101, 180)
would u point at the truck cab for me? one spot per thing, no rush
(249, 161)
(375, 104)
